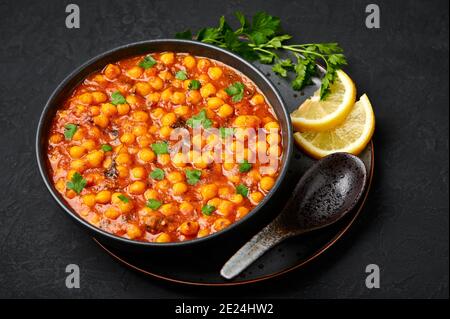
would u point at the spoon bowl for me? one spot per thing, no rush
(326, 192)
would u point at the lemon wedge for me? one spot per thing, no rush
(321, 115)
(351, 136)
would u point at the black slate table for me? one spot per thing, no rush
(403, 66)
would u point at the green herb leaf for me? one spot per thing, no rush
(69, 130)
(106, 148)
(245, 166)
(187, 35)
(282, 67)
(77, 183)
(160, 148)
(117, 98)
(194, 85)
(199, 119)
(193, 176)
(242, 189)
(236, 90)
(123, 198)
(153, 204)
(226, 131)
(157, 174)
(265, 25)
(181, 75)
(147, 62)
(208, 210)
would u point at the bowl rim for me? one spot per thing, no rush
(41, 153)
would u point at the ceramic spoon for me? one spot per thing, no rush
(324, 194)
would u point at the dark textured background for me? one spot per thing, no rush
(403, 67)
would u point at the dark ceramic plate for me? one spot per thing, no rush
(203, 267)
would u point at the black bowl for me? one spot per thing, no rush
(196, 48)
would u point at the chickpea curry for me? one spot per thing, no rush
(109, 148)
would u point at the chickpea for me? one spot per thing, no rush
(189, 228)
(189, 62)
(208, 191)
(169, 209)
(133, 231)
(254, 175)
(99, 97)
(157, 113)
(225, 207)
(228, 166)
(178, 98)
(203, 65)
(181, 110)
(153, 97)
(123, 171)
(207, 90)
(60, 185)
(123, 159)
(166, 94)
(142, 88)
(56, 138)
(86, 98)
(151, 194)
(165, 132)
(175, 177)
(215, 73)
(156, 83)
(256, 197)
(101, 120)
(94, 110)
(140, 116)
(179, 160)
(144, 141)
(131, 99)
(234, 178)
(214, 202)
(165, 75)
(237, 198)
(162, 185)
(163, 238)
(225, 111)
(79, 165)
(167, 58)
(135, 72)
(222, 94)
(112, 213)
(164, 159)
(140, 130)
(224, 192)
(203, 233)
(100, 79)
(115, 199)
(103, 197)
(179, 188)
(267, 183)
(112, 71)
(169, 119)
(88, 200)
(186, 208)
(241, 212)
(125, 207)
(70, 193)
(89, 145)
(137, 187)
(138, 172)
(95, 158)
(194, 97)
(246, 121)
(273, 139)
(257, 99)
(127, 138)
(271, 125)
(79, 134)
(215, 102)
(146, 155)
(77, 151)
(123, 109)
(221, 223)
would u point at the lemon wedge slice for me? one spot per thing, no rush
(321, 115)
(351, 136)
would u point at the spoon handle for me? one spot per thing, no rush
(263, 241)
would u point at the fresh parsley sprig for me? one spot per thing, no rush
(262, 39)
